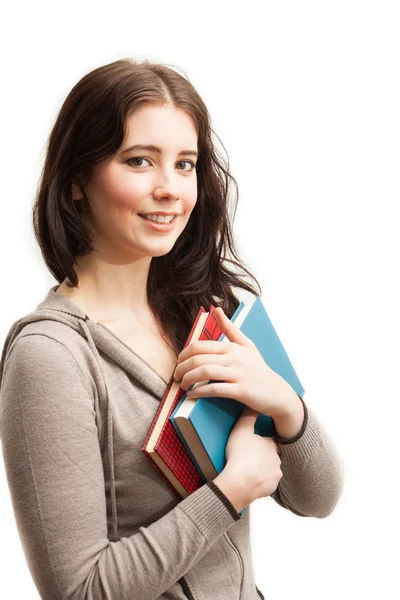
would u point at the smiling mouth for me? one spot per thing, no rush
(159, 222)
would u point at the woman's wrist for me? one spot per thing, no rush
(234, 488)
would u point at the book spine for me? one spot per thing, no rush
(167, 481)
(170, 383)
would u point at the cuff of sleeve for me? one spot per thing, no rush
(210, 510)
(301, 446)
(218, 492)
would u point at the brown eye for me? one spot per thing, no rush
(189, 162)
(136, 158)
(181, 162)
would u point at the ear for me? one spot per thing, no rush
(76, 192)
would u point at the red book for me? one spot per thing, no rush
(162, 445)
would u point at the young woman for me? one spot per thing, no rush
(132, 218)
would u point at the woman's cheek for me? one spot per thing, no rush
(129, 195)
(192, 203)
(190, 197)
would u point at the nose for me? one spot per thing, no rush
(167, 193)
(168, 189)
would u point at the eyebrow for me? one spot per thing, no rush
(152, 148)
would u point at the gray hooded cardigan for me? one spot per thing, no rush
(95, 518)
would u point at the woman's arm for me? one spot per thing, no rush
(55, 474)
(313, 471)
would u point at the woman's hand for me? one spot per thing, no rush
(253, 467)
(240, 371)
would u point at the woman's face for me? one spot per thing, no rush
(136, 182)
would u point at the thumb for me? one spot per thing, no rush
(247, 418)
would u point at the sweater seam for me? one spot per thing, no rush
(38, 503)
(31, 470)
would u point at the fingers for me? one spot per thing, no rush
(249, 412)
(249, 417)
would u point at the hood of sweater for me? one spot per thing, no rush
(58, 308)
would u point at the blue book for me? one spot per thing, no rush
(204, 424)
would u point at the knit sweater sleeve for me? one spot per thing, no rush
(55, 475)
(312, 468)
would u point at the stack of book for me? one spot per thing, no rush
(187, 438)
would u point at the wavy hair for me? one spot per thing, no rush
(203, 267)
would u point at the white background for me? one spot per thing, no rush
(305, 98)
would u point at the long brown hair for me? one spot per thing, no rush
(90, 126)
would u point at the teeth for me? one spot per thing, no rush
(159, 218)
